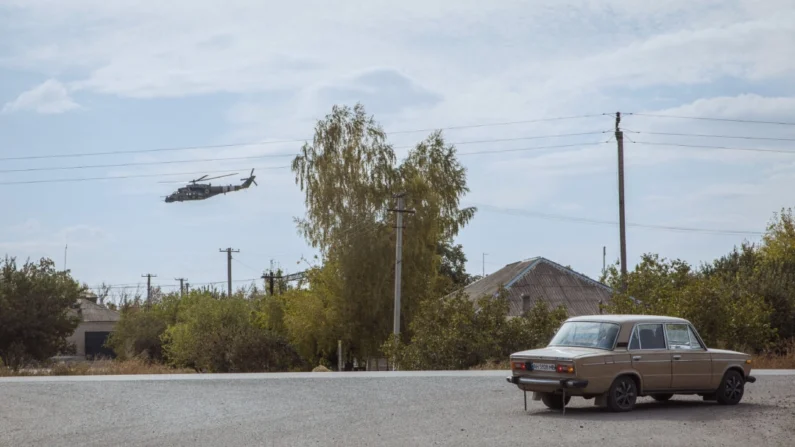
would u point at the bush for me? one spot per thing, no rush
(455, 333)
(222, 335)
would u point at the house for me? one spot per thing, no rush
(538, 278)
(97, 322)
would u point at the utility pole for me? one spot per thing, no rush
(484, 265)
(621, 221)
(604, 259)
(399, 257)
(229, 252)
(148, 277)
(181, 284)
(66, 247)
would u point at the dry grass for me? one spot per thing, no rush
(98, 367)
(782, 358)
(490, 366)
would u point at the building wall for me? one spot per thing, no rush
(79, 335)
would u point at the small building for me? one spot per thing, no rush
(97, 322)
(538, 278)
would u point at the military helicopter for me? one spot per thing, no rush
(201, 191)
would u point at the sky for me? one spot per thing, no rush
(528, 91)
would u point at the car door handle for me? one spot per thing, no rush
(677, 357)
(636, 357)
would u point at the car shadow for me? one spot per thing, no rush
(684, 410)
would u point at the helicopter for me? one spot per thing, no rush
(201, 191)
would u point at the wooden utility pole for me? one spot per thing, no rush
(621, 219)
(148, 277)
(181, 286)
(229, 252)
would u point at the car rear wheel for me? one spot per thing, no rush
(731, 388)
(662, 397)
(622, 394)
(554, 401)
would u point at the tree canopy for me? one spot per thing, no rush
(350, 175)
(35, 303)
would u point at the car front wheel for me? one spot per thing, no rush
(731, 388)
(622, 394)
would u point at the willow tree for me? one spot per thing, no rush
(350, 174)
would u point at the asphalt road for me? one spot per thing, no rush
(380, 409)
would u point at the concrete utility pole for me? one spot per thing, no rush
(181, 288)
(65, 248)
(229, 252)
(484, 265)
(604, 259)
(399, 256)
(148, 277)
(621, 220)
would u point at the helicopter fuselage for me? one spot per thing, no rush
(201, 191)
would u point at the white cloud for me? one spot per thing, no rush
(50, 97)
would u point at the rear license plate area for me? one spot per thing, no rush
(549, 367)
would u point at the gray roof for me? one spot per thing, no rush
(541, 279)
(87, 310)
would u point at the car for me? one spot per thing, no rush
(614, 359)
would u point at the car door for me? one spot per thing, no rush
(691, 364)
(650, 356)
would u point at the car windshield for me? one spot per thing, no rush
(586, 334)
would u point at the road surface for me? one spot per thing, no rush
(477, 408)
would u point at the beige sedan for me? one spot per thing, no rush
(613, 359)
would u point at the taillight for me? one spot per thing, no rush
(518, 365)
(566, 369)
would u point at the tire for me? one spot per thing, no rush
(662, 397)
(622, 394)
(732, 388)
(554, 401)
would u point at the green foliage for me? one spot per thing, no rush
(723, 309)
(455, 333)
(222, 335)
(35, 317)
(138, 333)
(349, 174)
(311, 317)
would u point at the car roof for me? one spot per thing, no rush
(629, 319)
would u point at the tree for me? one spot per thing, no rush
(35, 317)
(349, 175)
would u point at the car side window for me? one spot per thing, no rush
(681, 337)
(634, 341)
(694, 343)
(651, 336)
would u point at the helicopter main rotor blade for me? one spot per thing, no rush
(227, 175)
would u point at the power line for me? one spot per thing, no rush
(654, 115)
(254, 157)
(298, 140)
(729, 148)
(145, 163)
(501, 151)
(740, 137)
(118, 177)
(540, 215)
(130, 176)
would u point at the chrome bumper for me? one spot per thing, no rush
(562, 383)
